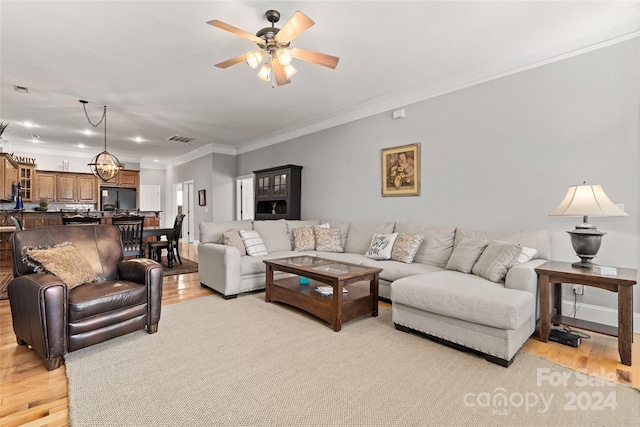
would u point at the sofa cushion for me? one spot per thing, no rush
(304, 239)
(381, 246)
(525, 255)
(211, 232)
(232, 238)
(274, 234)
(465, 254)
(253, 243)
(466, 297)
(293, 224)
(496, 259)
(360, 234)
(406, 247)
(344, 230)
(437, 245)
(538, 239)
(63, 260)
(254, 264)
(327, 239)
(394, 270)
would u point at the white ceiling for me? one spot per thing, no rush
(152, 64)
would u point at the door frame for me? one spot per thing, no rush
(239, 194)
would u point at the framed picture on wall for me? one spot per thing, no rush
(202, 197)
(401, 170)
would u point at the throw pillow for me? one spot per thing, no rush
(327, 239)
(304, 239)
(406, 247)
(64, 261)
(232, 238)
(496, 260)
(253, 243)
(465, 254)
(526, 255)
(381, 246)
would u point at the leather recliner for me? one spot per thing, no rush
(55, 320)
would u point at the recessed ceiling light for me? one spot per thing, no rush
(29, 124)
(80, 145)
(88, 132)
(155, 160)
(138, 139)
(36, 141)
(35, 136)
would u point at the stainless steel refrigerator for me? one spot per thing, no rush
(117, 198)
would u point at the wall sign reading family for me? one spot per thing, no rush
(401, 170)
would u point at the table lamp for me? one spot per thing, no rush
(586, 200)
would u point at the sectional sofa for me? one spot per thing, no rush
(441, 293)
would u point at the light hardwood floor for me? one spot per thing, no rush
(32, 396)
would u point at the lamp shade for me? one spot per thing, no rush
(587, 200)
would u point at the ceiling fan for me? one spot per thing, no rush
(274, 47)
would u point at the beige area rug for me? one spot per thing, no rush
(217, 362)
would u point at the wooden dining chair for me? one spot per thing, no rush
(131, 227)
(155, 248)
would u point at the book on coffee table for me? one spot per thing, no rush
(328, 290)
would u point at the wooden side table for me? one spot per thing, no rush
(555, 273)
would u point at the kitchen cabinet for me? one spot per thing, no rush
(125, 178)
(45, 186)
(26, 172)
(277, 192)
(9, 175)
(76, 188)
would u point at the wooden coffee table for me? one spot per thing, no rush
(335, 309)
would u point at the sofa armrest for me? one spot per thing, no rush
(219, 267)
(149, 273)
(39, 312)
(524, 277)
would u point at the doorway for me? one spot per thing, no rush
(183, 204)
(244, 197)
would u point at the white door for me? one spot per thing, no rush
(244, 197)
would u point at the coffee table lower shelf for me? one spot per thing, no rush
(357, 302)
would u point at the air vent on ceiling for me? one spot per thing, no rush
(179, 138)
(21, 89)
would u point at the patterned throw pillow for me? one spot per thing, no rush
(253, 243)
(497, 258)
(304, 239)
(465, 254)
(327, 239)
(232, 238)
(406, 247)
(526, 255)
(63, 260)
(381, 246)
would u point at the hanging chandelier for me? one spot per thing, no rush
(105, 165)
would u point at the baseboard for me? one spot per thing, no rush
(595, 313)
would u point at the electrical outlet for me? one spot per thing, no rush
(578, 289)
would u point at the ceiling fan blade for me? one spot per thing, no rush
(279, 73)
(233, 61)
(315, 57)
(298, 24)
(236, 31)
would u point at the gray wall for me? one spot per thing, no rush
(499, 155)
(214, 173)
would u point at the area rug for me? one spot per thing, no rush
(187, 266)
(245, 362)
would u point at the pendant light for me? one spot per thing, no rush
(105, 165)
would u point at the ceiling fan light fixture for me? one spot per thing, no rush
(284, 56)
(255, 58)
(290, 70)
(265, 72)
